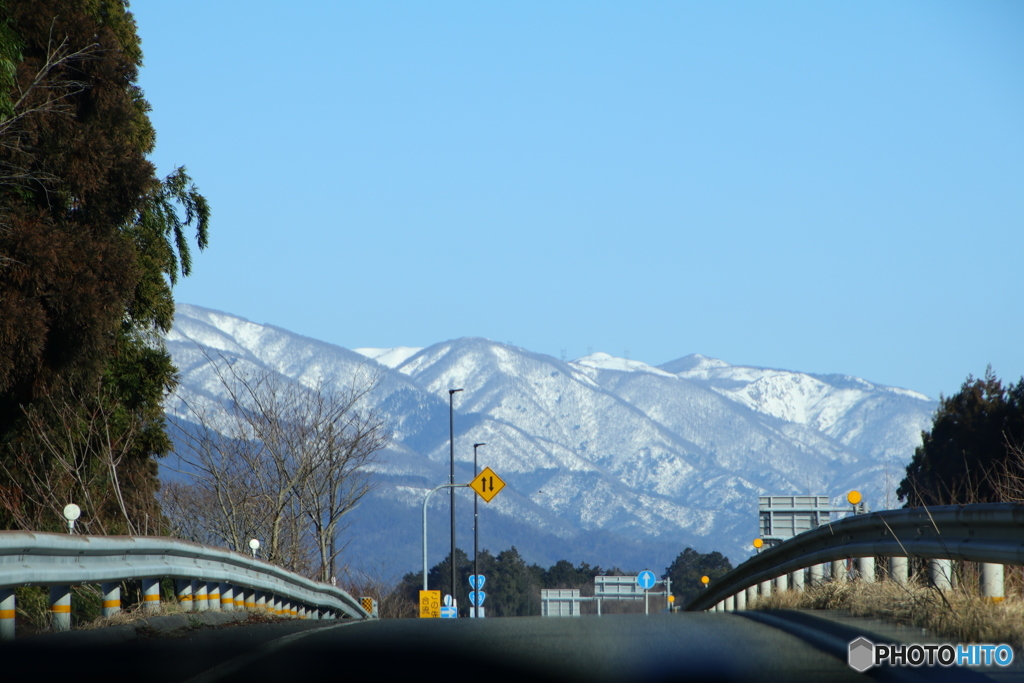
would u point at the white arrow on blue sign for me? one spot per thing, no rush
(477, 595)
(477, 581)
(646, 579)
(448, 612)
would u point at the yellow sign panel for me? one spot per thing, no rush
(487, 484)
(430, 604)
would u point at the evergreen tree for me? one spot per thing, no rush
(969, 445)
(688, 568)
(91, 242)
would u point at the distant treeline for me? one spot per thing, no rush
(513, 587)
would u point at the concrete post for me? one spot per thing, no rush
(992, 582)
(765, 588)
(940, 572)
(816, 574)
(751, 595)
(199, 597)
(261, 600)
(183, 587)
(866, 569)
(730, 604)
(213, 595)
(151, 594)
(60, 608)
(227, 597)
(781, 582)
(839, 570)
(251, 596)
(741, 600)
(111, 598)
(898, 570)
(796, 580)
(7, 614)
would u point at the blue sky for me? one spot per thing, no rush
(826, 187)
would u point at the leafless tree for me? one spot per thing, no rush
(84, 443)
(278, 460)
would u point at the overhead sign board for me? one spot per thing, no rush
(430, 604)
(487, 484)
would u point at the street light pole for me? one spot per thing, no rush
(476, 534)
(451, 480)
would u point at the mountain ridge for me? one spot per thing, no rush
(599, 452)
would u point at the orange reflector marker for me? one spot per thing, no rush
(152, 598)
(7, 613)
(853, 497)
(111, 603)
(60, 609)
(758, 543)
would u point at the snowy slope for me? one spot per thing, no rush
(607, 460)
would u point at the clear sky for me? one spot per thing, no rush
(826, 187)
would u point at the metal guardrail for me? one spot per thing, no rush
(61, 560)
(987, 533)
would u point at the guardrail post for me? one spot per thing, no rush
(730, 603)
(781, 582)
(60, 608)
(261, 600)
(839, 570)
(940, 572)
(796, 580)
(751, 595)
(741, 601)
(992, 581)
(199, 597)
(227, 597)
(765, 588)
(213, 595)
(151, 595)
(866, 569)
(183, 588)
(816, 574)
(111, 598)
(7, 613)
(251, 596)
(898, 570)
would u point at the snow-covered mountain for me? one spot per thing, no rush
(607, 460)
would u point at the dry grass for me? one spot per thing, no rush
(960, 615)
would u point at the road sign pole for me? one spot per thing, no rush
(476, 523)
(425, 499)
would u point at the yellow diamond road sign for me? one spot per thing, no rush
(487, 484)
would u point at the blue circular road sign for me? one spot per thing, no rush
(646, 579)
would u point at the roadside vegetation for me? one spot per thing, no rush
(960, 614)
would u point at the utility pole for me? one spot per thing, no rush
(451, 480)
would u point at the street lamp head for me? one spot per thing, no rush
(478, 444)
(453, 391)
